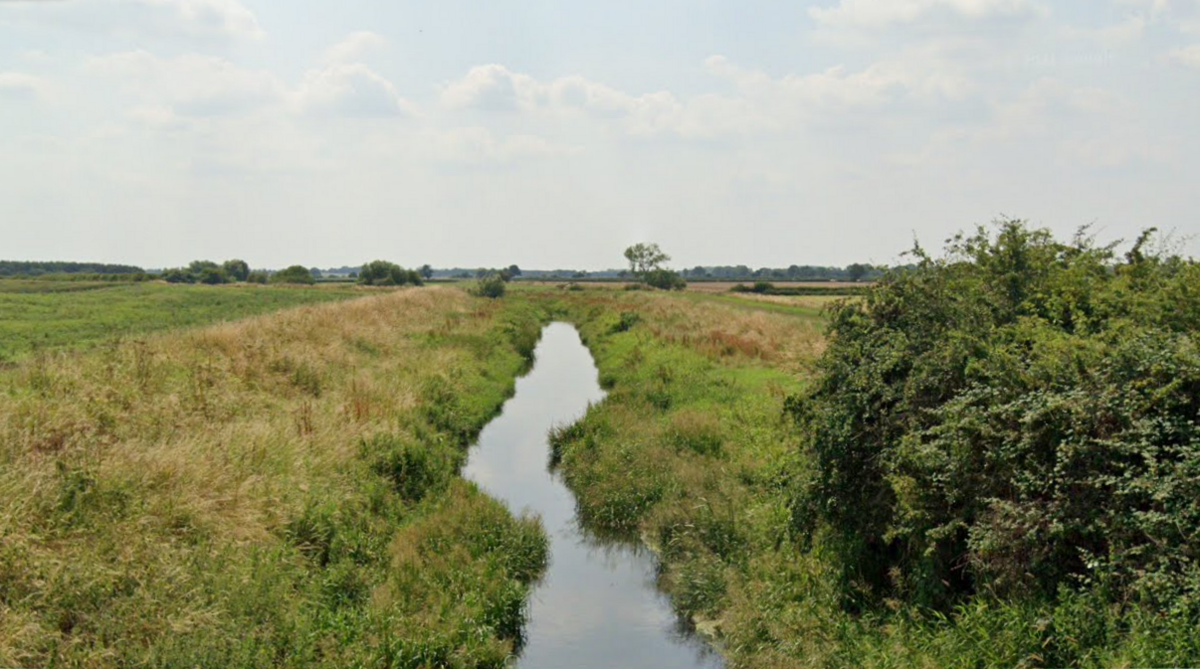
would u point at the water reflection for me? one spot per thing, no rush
(597, 605)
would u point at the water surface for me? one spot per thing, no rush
(597, 605)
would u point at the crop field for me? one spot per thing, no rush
(42, 315)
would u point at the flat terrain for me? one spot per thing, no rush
(54, 314)
(284, 491)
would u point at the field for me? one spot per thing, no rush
(276, 491)
(52, 314)
(283, 490)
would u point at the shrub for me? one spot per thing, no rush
(1015, 417)
(491, 285)
(384, 273)
(664, 279)
(298, 274)
(626, 322)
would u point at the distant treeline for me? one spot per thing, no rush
(853, 272)
(23, 268)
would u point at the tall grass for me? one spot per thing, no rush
(255, 493)
(691, 452)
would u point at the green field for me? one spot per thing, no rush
(53, 314)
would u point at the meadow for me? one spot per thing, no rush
(276, 491)
(283, 490)
(45, 314)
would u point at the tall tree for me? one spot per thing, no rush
(644, 258)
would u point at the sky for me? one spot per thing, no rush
(554, 133)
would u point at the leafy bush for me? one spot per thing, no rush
(1015, 417)
(384, 273)
(664, 279)
(491, 285)
(627, 320)
(293, 274)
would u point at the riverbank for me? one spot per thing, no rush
(280, 491)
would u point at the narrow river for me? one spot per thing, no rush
(597, 605)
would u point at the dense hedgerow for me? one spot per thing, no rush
(1014, 418)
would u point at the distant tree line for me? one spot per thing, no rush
(852, 272)
(384, 273)
(23, 268)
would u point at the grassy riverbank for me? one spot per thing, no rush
(697, 451)
(279, 491)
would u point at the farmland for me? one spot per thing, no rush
(41, 315)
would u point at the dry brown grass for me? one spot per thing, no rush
(126, 472)
(726, 331)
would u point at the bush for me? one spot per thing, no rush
(384, 273)
(626, 322)
(177, 275)
(491, 285)
(298, 274)
(213, 276)
(664, 279)
(1015, 417)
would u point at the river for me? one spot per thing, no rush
(597, 605)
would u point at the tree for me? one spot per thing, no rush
(857, 271)
(426, 272)
(294, 274)
(177, 275)
(644, 258)
(213, 276)
(664, 279)
(513, 271)
(315, 272)
(236, 270)
(490, 285)
(384, 273)
(197, 266)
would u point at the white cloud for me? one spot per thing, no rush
(875, 14)
(1118, 34)
(199, 86)
(228, 18)
(478, 146)
(761, 103)
(354, 47)
(193, 85)
(19, 85)
(493, 87)
(1188, 56)
(350, 90)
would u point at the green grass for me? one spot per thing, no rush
(51, 315)
(281, 491)
(693, 453)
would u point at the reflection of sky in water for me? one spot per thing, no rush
(596, 606)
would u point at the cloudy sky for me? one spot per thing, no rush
(553, 134)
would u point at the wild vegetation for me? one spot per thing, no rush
(49, 315)
(987, 458)
(280, 491)
(992, 463)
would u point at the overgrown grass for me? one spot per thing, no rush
(280, 491)
(54, 314)
(692, 452)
